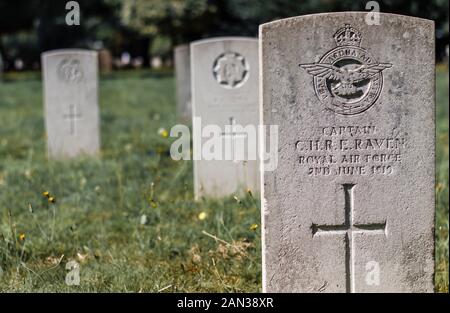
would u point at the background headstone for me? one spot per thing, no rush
(71, 102)
(1, 66)
(225, 92)
(350, 207)
(156, 62)
(105, 60)
(182, 59)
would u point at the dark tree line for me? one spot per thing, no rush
(153, 27)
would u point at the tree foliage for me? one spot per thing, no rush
(155, 26)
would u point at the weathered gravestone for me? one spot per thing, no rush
(225, 93)
(182, 59)
(350, 207)
(105, 59)
(71, 103)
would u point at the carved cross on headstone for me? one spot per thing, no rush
(349, 229)
(72, 117)
(233, 135)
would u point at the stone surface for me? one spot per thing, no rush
(350, 207)
(182, 59)
(71, 103)
(225, 92)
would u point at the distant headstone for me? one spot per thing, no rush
(182, 57)
(19, 64)
(350, 207)
(446, 54)
(156, 62)
(125, 59)
(137, 62)
(1, 66)
(225, 93)
(105, 60)
(71, 103)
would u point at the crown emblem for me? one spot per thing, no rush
(347, 79)
(347, 36)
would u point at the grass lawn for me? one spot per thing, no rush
(130, 220)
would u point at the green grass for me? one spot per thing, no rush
(100, 205)
(442, 162)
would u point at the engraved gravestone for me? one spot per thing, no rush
(182, 58)
(71, 103)
(350, 207)
(225, 93)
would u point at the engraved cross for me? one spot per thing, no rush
(73, 117)
(233, 135)
(349, 229)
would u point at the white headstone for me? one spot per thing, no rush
(225, 93)
(350, 207)
(71, 103)
(182, 59)
(156, 62)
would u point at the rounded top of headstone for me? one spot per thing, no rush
(69, 51)
(181, 47)
(354, 14)
(223, 39)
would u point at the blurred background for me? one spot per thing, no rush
(142, 33)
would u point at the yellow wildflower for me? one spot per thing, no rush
(153, 203)
(22, 237)
(163, 132)
(202, 216)
(440, 187)
(254, 227)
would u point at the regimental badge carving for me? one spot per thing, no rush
(70, 71)
(347, 79)
(231, 70)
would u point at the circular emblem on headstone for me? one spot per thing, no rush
(231, 70)
(70, 71)
(347, 80)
